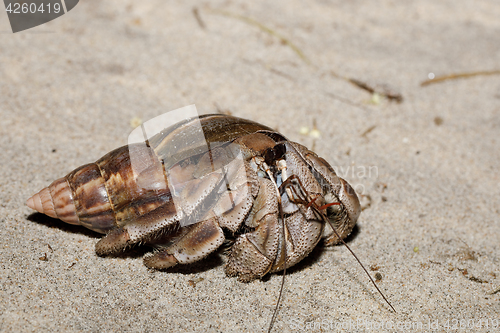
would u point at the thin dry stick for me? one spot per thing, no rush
(455, 76)
(494, 291)
(393, 96)
(197, 16)
(268, 30)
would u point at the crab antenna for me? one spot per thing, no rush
(338, 236)
(275, 313)
(347, 246)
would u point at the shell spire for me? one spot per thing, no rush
(56, 201)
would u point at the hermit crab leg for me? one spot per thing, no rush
(253, 254)
(202, 239)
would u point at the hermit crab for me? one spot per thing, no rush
(193, 184)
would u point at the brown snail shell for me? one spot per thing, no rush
(106, 194)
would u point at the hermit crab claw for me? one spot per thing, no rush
(343, 216)
(350, 200)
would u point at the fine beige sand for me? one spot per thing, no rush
(426, 169)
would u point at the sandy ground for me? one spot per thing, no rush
(426, 168)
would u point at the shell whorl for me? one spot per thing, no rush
(79, 198)
(108, 193)
(56, 201)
